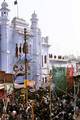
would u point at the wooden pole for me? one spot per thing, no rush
(50, 82)
(25, 51)
(50, 94)
(33, 116)
(74, 100)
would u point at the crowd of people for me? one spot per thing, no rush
(39, 106)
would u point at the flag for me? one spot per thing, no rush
(15, 2)
(69, 76)
(70, 71)
(29, 83)
(18, 86)
(25, 48)
(1, 86)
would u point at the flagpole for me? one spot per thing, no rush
(17, 10)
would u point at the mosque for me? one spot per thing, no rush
(12, 38)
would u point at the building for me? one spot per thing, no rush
(12, 36)
(65, 69)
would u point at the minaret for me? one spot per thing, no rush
(4, 36)
(34, 32)
(4, 12)
(36, 47)
(34, 21)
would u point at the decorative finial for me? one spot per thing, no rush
(34, 11)
(4, 4)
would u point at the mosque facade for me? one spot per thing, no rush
(12, 36)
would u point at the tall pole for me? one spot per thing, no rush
(50, 82)
(50, 100)
(33, 116)
(25, 51)
(16, 3)
(17, 10)
(74, 100)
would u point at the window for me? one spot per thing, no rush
(45, 59)
(4, 12)
(59, 57)
(42, 60)
(54, 56)
(45, 79)
(50, 56)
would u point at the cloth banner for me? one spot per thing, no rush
(29, 83)
(18, 86)
(1, 86)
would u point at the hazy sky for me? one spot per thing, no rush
(58, 19)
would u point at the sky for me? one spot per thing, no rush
(58, 19)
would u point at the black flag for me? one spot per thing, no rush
(15, 2)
